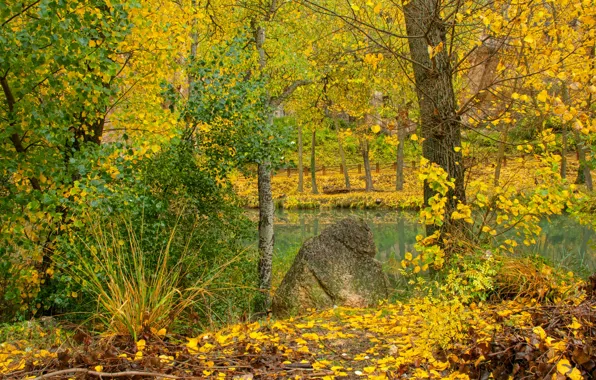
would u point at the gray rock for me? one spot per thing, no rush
(335, 268)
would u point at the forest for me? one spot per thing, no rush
(276, 189)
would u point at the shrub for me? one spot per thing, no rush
(135, 291)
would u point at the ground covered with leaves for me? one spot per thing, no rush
(423, 338)
(519, 173)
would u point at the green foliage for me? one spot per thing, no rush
(470, 277)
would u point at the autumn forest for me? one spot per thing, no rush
(275, 189)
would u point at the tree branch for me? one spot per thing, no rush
(20, 13)
(106, 374)
(287, 92)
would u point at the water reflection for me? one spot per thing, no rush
(564, 242)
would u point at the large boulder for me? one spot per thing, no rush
(335, 268)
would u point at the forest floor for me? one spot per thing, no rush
(519, 173)
(422, 338)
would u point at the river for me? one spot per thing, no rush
(564, 243)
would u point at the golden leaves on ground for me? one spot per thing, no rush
(423, 338)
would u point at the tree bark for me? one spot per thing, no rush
(440, 123)
(266, 234)
(300, 163)
(365, 158)
(313, 163)
(266, 205)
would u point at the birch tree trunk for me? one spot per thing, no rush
(440, 124)
(266, 234)
(266, 205)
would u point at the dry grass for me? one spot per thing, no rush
(529, 278)
(137, 292)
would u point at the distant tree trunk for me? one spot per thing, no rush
(194, 43)
(564, 152)
(300, 164)
(583, 172)
(313, 168)
(266, 235)
(440, 123)
(365, 158)
(342, 155)
(501, 155)
(567, 100)
(399, 168)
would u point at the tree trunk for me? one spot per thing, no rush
(399, 169)
(566, 100)
(300, 164)
(440, 123)
(365, 158)
(564, 152)
(583, 172)
(500, 155)
(313, 168)
(266, 235)
(342, 155)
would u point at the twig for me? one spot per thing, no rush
(106, 374)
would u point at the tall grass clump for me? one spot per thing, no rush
(138, 292)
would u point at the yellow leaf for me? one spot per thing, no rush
(457, 148)
(540, 332)
(414, 137)
(192, 344)
(528, 39)
(375, 128)
(355, 7)
(575, 374)
(542, 96)
(563, 366)
(141, 344)
(161, 332)
(574, 325)
(98, 368)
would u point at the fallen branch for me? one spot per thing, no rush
(106, 374)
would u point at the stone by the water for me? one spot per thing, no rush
(335, 268)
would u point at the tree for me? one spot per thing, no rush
(440, 123)
(59, 75)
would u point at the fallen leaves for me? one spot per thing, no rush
(423, 338)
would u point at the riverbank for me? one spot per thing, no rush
(519, 174)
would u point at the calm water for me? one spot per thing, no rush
(564, 242)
